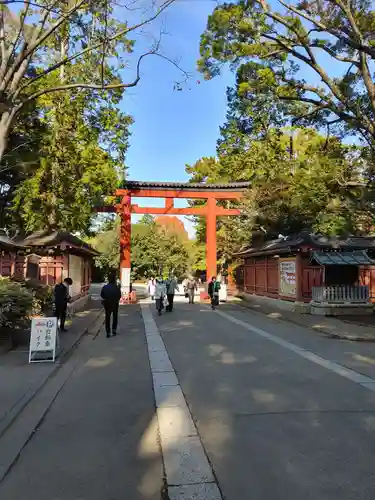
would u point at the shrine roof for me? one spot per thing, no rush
(7, 243)
(53, 239)
(186, 186)
(312, 241)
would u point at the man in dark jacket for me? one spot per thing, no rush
(61, 299)
(213, 292)
(111, 295)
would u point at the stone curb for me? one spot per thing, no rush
(19, 407)
(337, 336)
(352, 338)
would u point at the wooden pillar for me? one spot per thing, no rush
(13, 259)
(125, 243)
(299, 278)
(211, 266)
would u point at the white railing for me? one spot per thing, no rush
(340, 293)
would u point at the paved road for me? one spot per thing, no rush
(96, 288)
(274, 424)
(282, 413)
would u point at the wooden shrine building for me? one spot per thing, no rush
(311, 268)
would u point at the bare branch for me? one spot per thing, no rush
(105, 40)
(19, 67)
(329, 51)
(348, 41)
(64, 17)
(364, 67)
(2, 41)
(312, 62)
(90, 48)
(13, 50)
(32, 4)
(90, 86)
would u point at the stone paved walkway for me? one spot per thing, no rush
(97, 431)
(19, 380)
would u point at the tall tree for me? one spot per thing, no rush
(271, 43)
(20, 162)
(85, 135)
(80, 159)
(317, 189)
(155, 252)
(46, 36)
(172, 225)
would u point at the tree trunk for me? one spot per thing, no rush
(5, 126)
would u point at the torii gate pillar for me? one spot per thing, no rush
(211, 249)
(125, 243)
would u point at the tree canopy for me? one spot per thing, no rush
(300, 118)
(316, 56)
(64, 68)
(44, 39)
(154, 250)
(315, 190)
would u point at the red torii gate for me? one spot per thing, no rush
(171, 191)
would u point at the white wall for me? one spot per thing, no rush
(75, 270)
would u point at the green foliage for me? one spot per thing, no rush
(155, 251)
(63, 139)
(107, 242)
(19, 162)
(312, 190)
(78, 161)
(16, 304)
(197, 252)
(42, 296)
(299, 178)
(269, 44)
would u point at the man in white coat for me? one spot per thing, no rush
(172, 286)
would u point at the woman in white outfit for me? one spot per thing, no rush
(151, 288)
(160, 293)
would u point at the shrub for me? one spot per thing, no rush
(42, 295)
(16, 304)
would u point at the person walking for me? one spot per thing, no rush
(172, 286)
(191, 288)
(111, 295)
(151, 288)
(213, 292)
(160, 292)
(61, 300)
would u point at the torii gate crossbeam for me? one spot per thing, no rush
(170, 191)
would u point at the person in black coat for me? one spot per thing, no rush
(111, 295)
(61, 299)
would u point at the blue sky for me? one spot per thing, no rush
(174, 128)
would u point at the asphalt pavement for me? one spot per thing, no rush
(268, 411)
(274, 407)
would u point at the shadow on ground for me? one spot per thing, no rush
(274, 425)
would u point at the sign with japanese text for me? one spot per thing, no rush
(43, 340)
(287, 275)
(125, 278)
